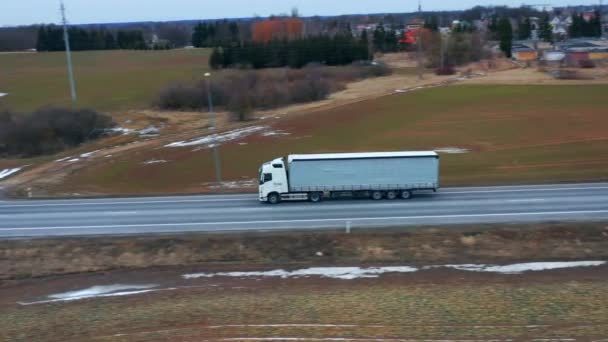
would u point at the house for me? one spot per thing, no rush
(414, 24)
(561, 25)
(410, 37)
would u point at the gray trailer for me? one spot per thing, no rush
(375, 175)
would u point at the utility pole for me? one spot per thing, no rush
(66, 39)
(216, 152)
(419, 41)
(442, 46)
(602, 31)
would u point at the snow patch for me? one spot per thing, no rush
(345, 273)
(349, 273)
(73, 160)
(290, 325)
(3, 94)
(275, 133)
(150, 131)
(251, 183)
(120, 130)
(151, 162)
(63, 159)
(88, 154)
(97, 291)
(7, 172)
(218, 138)
(452, 150)
(525, 267)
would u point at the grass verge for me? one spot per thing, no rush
(464, 244)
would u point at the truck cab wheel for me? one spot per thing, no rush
(376, 195)
(391, 195)
(315, 197)
(274, 198)
(405, 194)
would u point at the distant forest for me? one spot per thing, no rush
(50, 38)
(209, 33)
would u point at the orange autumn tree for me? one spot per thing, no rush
(277, 28)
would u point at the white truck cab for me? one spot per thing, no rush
(273, 181)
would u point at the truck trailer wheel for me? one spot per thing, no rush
(274, 198)
(376, 195)
(406, 194)
(315, 197)
(391, 195)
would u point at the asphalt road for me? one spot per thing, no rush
(217, 213)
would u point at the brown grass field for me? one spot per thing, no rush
(429, 306)
(432, 305)
(516, 134)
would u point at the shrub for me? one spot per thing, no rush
(49, 130)
(248, 90)
(445, 70)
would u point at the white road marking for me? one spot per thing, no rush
(118, 213)
(359, 219)
(530, 200)
(524, 190)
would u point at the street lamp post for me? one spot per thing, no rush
(216, 152)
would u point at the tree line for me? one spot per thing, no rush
(585, 28)
(385, 39)
(219, 33)
(50, 38)
(337, 50)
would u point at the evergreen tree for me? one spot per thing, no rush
(587, 30)
(364, 47)
(493, 26)
(234, 32)
(525, 29)
(379, 38)
(110, 42)
(197, 36)
(596, 24)
(545, 28)
(432, 23)
(216, 60)
(576, 29)
(505, 35)
(42, 43)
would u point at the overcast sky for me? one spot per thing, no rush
(20, 12)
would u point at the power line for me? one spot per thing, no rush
(66, 39)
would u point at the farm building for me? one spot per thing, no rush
(575, 58)
(554, 56)
(598, 54)
(523, 53)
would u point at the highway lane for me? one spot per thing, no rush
(224, 213)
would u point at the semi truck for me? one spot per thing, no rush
(376, 175)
